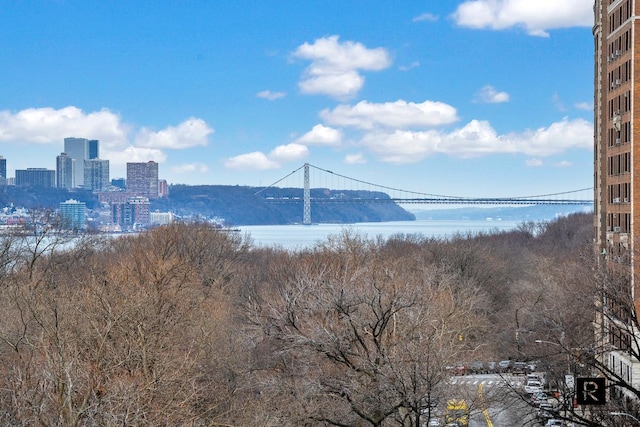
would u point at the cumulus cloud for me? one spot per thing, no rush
(190, 133)
(132, 154)
(425, 17)
(251, 161)
(398, 114)
(271, 96)
(321, 135)
(335, 66)
(119, 142)
(48, 125)
(190, 168)
(354, 159)
(289, 152)
(537, 18)
(478, 138)
(489, 95)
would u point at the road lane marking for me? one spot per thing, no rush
(484, 409)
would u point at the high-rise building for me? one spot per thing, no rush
(64, 171)
(36, 177)
(94, 149)
(3, 171)
(142, 179)
(163, 188)
(617, 202)
(96, 175)
(132, 214)
(73, 215)
(80, 149)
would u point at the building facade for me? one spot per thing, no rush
(616, 193)
(142, 179)
(80, 149)
(36, 177)
(3, 171)
(65, 171)
(132, 214)
(96, 175)
(73, 214)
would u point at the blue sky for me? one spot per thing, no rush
(468, 98)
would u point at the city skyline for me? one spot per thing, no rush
(448, 98)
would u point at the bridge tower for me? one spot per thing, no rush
(306, 211)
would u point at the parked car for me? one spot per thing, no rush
(519, 368)
(533, 386)
(545, 411)
(492, 367)
(504, 365)
(477, 367)
(540, 397)
(554, 422)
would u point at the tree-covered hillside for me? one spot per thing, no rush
(240, 205)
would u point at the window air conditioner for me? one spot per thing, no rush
(616, 200)
(616, 229)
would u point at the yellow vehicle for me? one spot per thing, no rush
(457, 413)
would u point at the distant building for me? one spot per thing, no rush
(96, 175)
(80, 149)
(94, 149)
(163, 190)
(119, 183)
(73, 214)
(142, 179)
(161, 218)
(65, 171)
(132, 214)
(36, 177)
(3, 171)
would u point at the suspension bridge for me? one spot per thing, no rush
(354, 190)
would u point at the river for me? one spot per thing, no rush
(298, 236)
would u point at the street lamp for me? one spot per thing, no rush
(624, 414)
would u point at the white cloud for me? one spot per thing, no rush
(251, 161)
(289, 152)
(533, 163)
(190, 168)
(478, 138)
(536, 17)
(271, 96)
(398, 114)
(335, 66)
(425, 17)
(119, 142)
(51, 126)
(354, 159)
(414, 64)
(132, 154)
(190, 133)
(586, 106)
(321, 135)
(489, 95)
